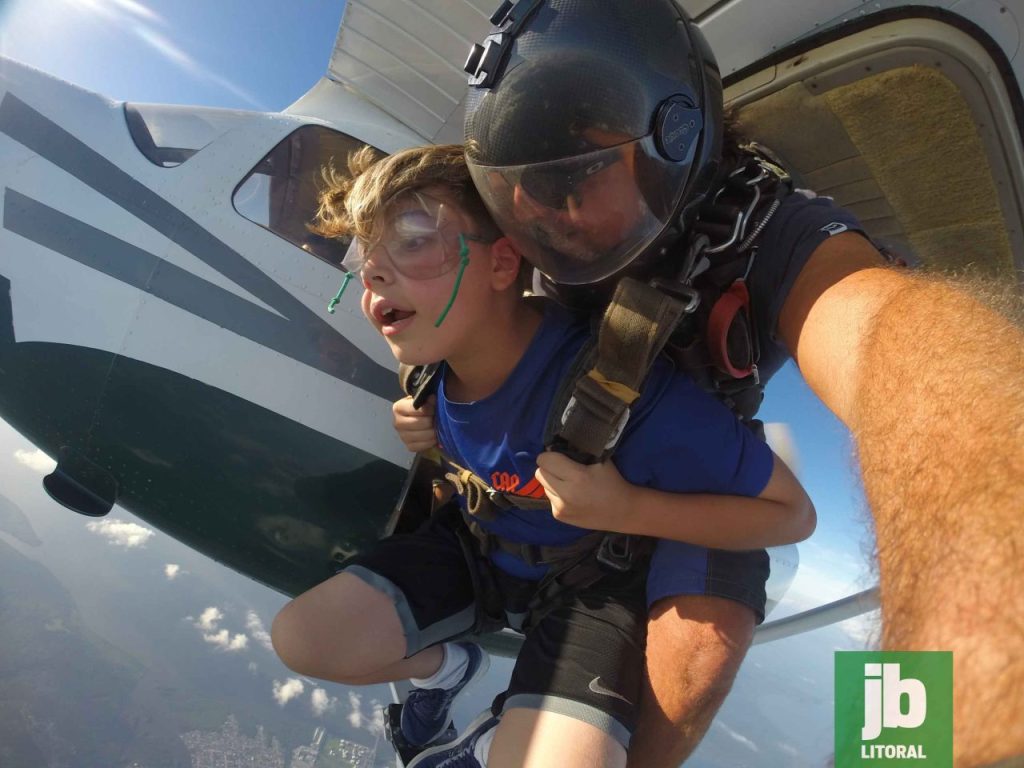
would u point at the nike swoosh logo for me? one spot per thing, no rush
(602, 690)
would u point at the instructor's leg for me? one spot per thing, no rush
(695, 645)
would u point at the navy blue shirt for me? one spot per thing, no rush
(678, 439)
(802, 223)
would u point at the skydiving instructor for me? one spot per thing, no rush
(594, 132)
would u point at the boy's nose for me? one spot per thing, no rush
(377, 267)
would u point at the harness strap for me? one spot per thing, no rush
(617, 552)
(633, 331)
(533, 554)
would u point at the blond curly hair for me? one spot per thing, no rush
(352, 204)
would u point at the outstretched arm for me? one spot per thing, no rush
(597, 496)
(930, 381)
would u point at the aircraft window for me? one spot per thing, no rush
(168, 135)
(281, 193)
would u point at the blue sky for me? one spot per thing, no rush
(256, 54)
(265, 54)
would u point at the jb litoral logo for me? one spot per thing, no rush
(894, 709)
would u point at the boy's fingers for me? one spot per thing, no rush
(545, 480)
(548, 464)
(558, 464)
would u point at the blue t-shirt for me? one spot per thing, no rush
(678, 439)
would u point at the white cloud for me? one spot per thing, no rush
(172, 571)
(788, 749)
(209, 619)
(226, 642)
(121, 533)
(737, 737)
(288, 690)
(355, 713)
(259, 633)
(376, 719)
(372, 721)
(35, 460)
(322, 703)
(253, 667)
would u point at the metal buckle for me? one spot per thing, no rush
(690, 295)
(617, 558)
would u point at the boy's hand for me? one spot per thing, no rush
(588, 495)
(415, 427)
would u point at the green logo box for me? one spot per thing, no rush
(894, 708)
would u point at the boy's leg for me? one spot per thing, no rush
(574, 688)
(346, 631)
(378, 620)
(534, 738)
(577, 682)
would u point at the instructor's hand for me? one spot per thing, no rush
(415, 427)
(588, 495)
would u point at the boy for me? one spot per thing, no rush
(442, 283)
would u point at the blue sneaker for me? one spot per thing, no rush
(457, 753)
(427, 711)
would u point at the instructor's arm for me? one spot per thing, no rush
(930, 382)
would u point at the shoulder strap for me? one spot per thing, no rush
(608, 374)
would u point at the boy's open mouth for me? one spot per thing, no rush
(391, 318)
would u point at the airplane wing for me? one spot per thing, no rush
(405, 57)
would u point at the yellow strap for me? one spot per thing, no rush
(432, 454)
(614, 388)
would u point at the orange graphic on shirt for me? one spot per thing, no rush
(504, 482)
(509, 483)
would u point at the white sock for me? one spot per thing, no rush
(483, 746)
(452, 668)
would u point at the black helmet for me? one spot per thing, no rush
(593, 129)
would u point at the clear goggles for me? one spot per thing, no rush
(581, 219)
(422, 241)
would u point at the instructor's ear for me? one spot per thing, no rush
(505, 263)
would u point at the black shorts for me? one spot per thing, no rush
(583, 658)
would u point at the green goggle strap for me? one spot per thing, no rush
(463, 263)
(337, 297)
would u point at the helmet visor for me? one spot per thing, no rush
(581, 219)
